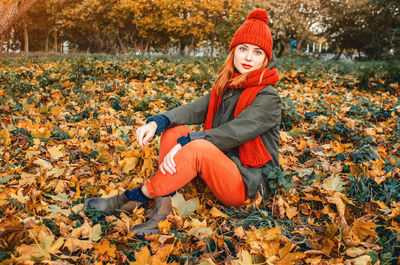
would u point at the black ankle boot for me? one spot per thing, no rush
(162, 207)
(118, 203)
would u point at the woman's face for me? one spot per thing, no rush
(248, 57)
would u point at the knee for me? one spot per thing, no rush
(174, 131)
(200, 145)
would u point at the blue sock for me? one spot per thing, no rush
(172, 194)
(136, 195)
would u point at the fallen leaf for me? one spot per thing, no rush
(217, 213)
(184, 208)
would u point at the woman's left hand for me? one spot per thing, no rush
(168, 164)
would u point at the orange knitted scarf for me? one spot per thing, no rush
(252, 153)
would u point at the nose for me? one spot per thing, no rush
(249, 56)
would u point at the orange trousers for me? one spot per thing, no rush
(198, 158)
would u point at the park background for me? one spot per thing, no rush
(77, 78)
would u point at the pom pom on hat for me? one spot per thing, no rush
(259, 14)
(255, 31)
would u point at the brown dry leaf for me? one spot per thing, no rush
(355, 251)
(57, 151)
(11, 231)
(239, 232)
(163, 253)
(245, 258)
(26, 254)
(362, 260)
(46, 245)
(41, 133)
(43, 164)
(206, 261)
(5, 137)
(128, 164)
(217, 213)
(282, 208)
(334, 183)
(330, 239)
(184, 208)
(395, 227)
(364, 229)
(337, 200)
(302, 145)
(290, 258)
(350, 238)
(199, 229)
(143, 257)
(396, 211)
(73, 244)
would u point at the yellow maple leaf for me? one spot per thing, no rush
(143, 257)
(105, 248)
(239, 232)
(217, 213)
(41, 133)
(245, 258)
(5, 137)
(395, 211)
(56, 151)
(364, 229)
(164, 226)
(43, 163)
(73, 244)
(128, 164)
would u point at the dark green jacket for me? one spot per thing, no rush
(261, 118)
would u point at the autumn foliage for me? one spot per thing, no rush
(67, 133)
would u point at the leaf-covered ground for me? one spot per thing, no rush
(67, 133)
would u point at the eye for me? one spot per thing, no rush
(242, 48)
(258, 53)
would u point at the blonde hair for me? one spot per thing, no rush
(224, 78)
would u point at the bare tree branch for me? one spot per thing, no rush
(11, 10)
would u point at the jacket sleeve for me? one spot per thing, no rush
(188, 114)
(262, 115)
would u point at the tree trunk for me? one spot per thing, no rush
(55, 40)
(46, 47)
(121, 44)
(166, 49)
(281, 49)
(191, 46)
(147, 49)
(26, 39)
(141, 45)
(182, 48)
(212, 45)
(339, 54)
(298, 48)
(2, 44)
(11, 10)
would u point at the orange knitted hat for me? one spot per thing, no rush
(255, 31)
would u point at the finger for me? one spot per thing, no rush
(165, 165)
(170, 167)
(161, 167)
(139, 136)
(147, 137)
(173, 162)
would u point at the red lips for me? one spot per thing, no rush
(246, 66)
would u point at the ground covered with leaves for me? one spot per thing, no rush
(67, 133)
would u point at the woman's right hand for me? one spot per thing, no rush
(146, 133)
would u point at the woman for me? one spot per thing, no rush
(241, 119)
